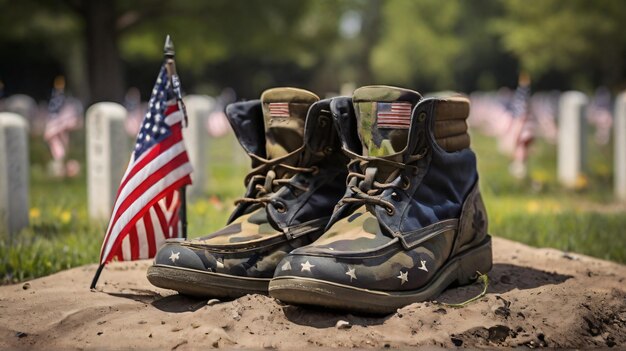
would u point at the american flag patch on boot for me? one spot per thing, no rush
(393, 114)
(279, 109)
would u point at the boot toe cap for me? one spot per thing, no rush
(177, 255)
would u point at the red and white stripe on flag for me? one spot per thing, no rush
(57, 129)
(67, 119)
(57, 145)
(147, 203)
(279, 109)
(161, 222)
(393, 114)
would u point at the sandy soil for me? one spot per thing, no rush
(537, 298)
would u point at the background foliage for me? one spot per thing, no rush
(105, 47)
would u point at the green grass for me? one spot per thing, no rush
(539, 212)
(536, 211)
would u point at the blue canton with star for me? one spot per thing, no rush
(57, 99)
(153, 128)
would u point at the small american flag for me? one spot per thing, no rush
(62, 118)
(279, 109)
(519, 104)
(148, 200)
(393, 114)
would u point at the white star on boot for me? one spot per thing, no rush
(404, 277)
(306, 266)
(174, 256)
(351, 273)
(423, 267)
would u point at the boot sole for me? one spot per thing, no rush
(205, 284)
(308, 291)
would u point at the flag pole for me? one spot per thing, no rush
(170, 66)
(96, 277)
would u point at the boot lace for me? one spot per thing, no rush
(368, 191)
(266, 179)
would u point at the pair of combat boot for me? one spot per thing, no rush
(367, 204)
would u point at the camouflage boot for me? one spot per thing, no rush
(412, 221)
(297, 178)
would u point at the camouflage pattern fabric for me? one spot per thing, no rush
(383, 132)
(354, 251)
(284, 112)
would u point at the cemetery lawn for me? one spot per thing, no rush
(535, 211)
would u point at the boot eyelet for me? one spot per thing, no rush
(421, 117)
(390, 211)
(328, 150)
(279, 206)
(315, 170)
(395, 196)
(406, 183)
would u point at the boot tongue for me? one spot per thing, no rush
(383, 118)
(284, 113)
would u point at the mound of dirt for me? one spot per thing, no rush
(536, 298)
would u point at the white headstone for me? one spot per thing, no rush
(620, 147)
(347, 89)
(198, 109)
(14, 174)
(108, 153)
(23, 105)
(572, 137)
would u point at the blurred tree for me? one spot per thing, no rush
(246, 44)
(114, 33)
(351, 29)
(578, 37)
(40, 40)
(100, 19)
(418, 43)
(482, 63)
(435, 45)
(105, 46)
